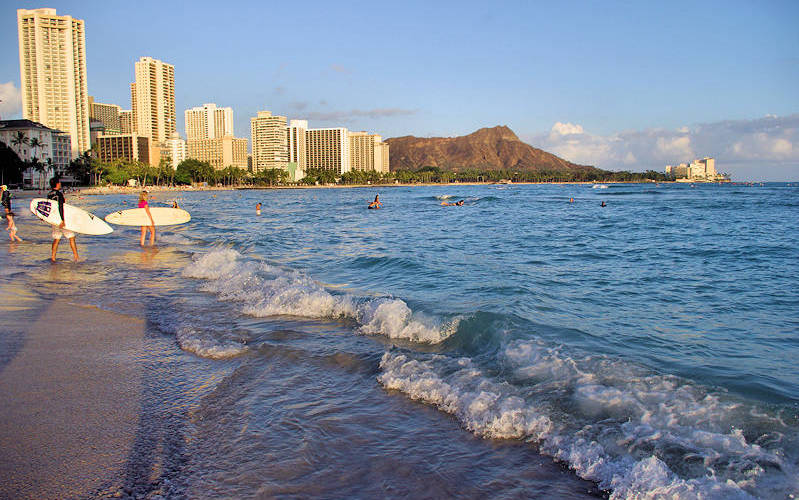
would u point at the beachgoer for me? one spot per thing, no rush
(175, 204)
(258, 208)
(602, 204)
(456, 204)
(12, 227)
(571, 200)
(60, 231)
(146, 206)
(376, 203)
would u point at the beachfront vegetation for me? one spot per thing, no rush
(88, 170)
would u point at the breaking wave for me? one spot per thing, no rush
(263, 290)
(637, 434)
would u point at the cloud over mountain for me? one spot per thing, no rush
(770, 143)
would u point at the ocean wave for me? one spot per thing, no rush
(174, 239)
(635, 433)
(264, 290)
(207, 345)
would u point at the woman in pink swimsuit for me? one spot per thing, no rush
(143, 204)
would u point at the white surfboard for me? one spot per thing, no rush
(162, 216)
(76, 220)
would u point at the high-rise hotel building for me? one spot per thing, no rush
(208, 122)
(108, 114)
(328, 149)
(52, 64)
(152, 99)
(269, 141)
(368, 152)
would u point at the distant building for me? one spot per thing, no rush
(175, 150)
(220, 152)
(297, 149)
(696, 171)
(127, 148)
(328, 149)
(107, 114)
(96, 129)
(52, 62)
(55, 152)
(126, 121)
(152, 98)
(269, 141)
(208, 122)
(368, 152)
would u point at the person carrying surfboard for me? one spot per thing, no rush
(59, 231)
(146, 206)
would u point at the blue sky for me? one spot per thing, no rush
(621, 85)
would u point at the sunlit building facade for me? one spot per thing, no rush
(52, 62)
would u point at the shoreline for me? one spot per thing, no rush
(104, 190)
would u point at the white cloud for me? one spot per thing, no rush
(751, 147)
(11, 98)
(566, 129)
(675, 147)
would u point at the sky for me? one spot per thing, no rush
(619, 85)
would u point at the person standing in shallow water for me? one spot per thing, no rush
(146, 206)
(258, 208)
(59, 231)
(12, 227)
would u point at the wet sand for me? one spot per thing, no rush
(70, 397)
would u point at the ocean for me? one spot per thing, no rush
(518, 346)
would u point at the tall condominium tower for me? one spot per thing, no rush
(328, 149)
(152, 99)
(52, 66)
(368, 152)
(269, 144)
(297, 143)
(208, 122)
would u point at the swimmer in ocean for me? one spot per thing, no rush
(458, 203)
(376, 203)
(258, 208)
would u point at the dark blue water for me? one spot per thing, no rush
(519, 345)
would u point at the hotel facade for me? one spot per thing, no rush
(208, 122)
(152, 99)
(269, 142)
(52, 62)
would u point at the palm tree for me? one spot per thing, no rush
(19, 139)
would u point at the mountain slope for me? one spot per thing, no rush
(494, 148)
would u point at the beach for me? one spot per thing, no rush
(520, 345)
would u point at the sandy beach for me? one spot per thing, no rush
(71, 403)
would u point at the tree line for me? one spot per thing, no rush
(87, 169)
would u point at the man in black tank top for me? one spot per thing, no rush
(55, 194)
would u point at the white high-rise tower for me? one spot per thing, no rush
(52, 67)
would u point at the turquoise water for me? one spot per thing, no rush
(519, 345)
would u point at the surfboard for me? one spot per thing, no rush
(76, 219)
(162, 216)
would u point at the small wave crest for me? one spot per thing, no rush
(208, 346)
(635, 433)
(264, 290)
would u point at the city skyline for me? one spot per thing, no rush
(618, 86)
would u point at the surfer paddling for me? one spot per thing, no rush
(146, 206)
(59, 231)
(376, 203)
(458, 203)
(12, 227)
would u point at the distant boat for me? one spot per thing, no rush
(599, 186)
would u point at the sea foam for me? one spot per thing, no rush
(635, 433)
(263, 290)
